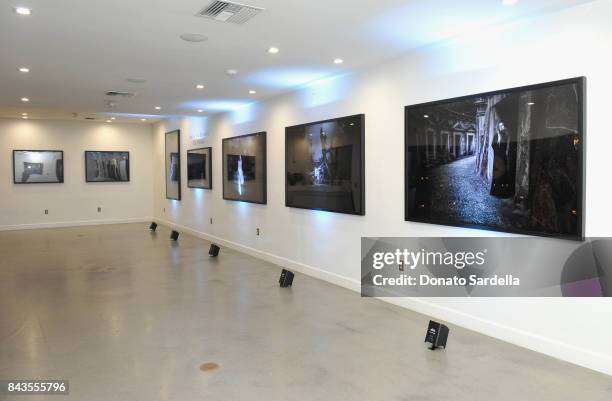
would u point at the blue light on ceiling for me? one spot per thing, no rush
(244, 114)
(324, 91)
(286, 78)
(215, 106)
(198, 127)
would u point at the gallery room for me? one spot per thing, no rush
(305, 200)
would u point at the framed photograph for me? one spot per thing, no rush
(244, 168)
(38, 166)
(172, 156)
(510, 160)
(199, 168)
(107, 166)
(325, 165)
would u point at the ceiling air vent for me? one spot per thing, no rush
(226, 11)
(120, 94)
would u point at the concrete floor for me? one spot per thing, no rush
(126, 315)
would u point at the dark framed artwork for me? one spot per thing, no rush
(172, 156)
(244, 168)
(38, 166)
(325, 165)
(107, 166)
(199, 168)
(510, 160)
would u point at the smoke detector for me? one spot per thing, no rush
(226, 11)
(120, 94)
(194, 37)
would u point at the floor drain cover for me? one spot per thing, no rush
(205, 367)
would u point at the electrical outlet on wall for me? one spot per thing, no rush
(99, 209)
(211, 220)
(257, 231)
(46, 211)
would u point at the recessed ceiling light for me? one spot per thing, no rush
(193, 37)
(24, 117)
(425, 115)
(23, 11)
(200, 110)
(231, 72)
(157, 107)
(199, 86)
(530, 104)
(24, 69)
(24, 114)
(25, 99)
(273, 50)
(112, 118)
(143, 119)
(252, 92)
(509, 2)
(108, 121)
(338, 61)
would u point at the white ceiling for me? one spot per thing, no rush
(77, 50)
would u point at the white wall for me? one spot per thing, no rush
(570, 43)
(75, 201)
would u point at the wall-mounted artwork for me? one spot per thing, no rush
(324, 165)
(38, 166)
(173, 165)
(244, 168)
(107, 166)
(199, 168)
(510, 160)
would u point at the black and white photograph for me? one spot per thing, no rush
(173, 165)
(38, 166)
(199, 168)
(509, 160)
(244, 168)
(324, 164)
(107, 166)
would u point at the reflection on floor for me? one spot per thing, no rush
(126, 315)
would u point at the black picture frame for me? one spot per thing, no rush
(168, 156)
(263, 166)
(208, 168)
(60, 179)
(127, 168)
(580, 144)
(361, 209)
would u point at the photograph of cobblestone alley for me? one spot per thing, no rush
(508, 161)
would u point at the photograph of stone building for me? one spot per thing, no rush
(509, 160)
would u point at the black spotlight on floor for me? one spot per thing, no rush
(174, 235)
(286, 278)
(437, 334)
(153, 226)
(214, 250)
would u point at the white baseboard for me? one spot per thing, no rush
(576, 355)
(268, 257)
(77, 223)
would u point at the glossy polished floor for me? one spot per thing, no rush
(127, 316)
